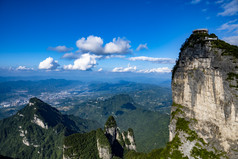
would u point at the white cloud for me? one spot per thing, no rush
(100, 69)
(156, 70)
(94, 44)
(134, 69)
(84, 63)
(230, 8)
(114, 56)
(141, 47)
(195, 1)
(126, 69)
(229, 26)
(152, 59)
(49, 64)
(117, 46)
(91, 44)
(231, 40)
(60, 48)
(24, 68)
(70, 56)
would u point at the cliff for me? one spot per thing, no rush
(204, 115)
(100, 144)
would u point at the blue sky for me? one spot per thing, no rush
(137, 36)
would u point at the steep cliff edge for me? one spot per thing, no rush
(204, 116)
(99, 144)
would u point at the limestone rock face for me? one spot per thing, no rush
(204, 83)
(129, 140)
(111, 134)
(104, 152)
(111, 129)
(103, 145)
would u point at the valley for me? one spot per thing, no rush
(143, 107)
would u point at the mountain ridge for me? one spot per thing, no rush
(31, 133)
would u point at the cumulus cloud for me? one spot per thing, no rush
(156, 70)
(60, 48)
(195, 1)
(84, 63)
(49, 64)
(230, 8)
(91, 44)
(231, 40)
(94, 44)
(117, 46)
(23, 68)
(126, 69)
(141, 47)
(152, 59)
(70, 56)
(229, 26)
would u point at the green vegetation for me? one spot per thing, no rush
(183, 125)
(170, 151)
(43, 143)
(230, 50)
(82, 145)
(127, 142)
(110, 123)
(231, 76)
(102, 139)
(172, 148)
(131, 132)
(204, 154)
(120, 140)
(150, 127)
(4, 157)
(177, 111)
(196, 39)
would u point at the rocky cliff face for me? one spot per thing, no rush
(100, 144)
(103, 145)
(111, 129)
(129, 140)
(204, 116)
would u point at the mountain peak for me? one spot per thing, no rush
(111, 122)
(204, 86)
(39, 129)
(35, 100)
(39, 103)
